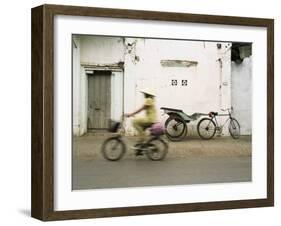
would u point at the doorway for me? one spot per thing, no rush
(99, 100)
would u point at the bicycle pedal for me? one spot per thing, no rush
(138, 153)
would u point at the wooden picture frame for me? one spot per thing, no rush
(42, 203)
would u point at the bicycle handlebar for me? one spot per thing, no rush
(227, 109)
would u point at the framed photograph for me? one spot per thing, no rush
(142, 112)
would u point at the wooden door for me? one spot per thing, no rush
(99, 100)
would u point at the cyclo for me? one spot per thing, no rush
(176, 123)
(115, 147)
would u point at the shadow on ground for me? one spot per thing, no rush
(89, 146)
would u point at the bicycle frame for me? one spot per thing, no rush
(213, 117)
(122, 131)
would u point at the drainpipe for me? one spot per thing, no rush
(220, 83)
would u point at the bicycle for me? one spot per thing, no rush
(155, 147)
(207, 127)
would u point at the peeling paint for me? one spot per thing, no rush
(137, 58)
(178, 63)
(120, 40)
(114, 66)
(130, 48)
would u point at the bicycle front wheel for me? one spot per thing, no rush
(234, 128)
(113, 149)
(206, 128)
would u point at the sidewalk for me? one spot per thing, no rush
(88, 147)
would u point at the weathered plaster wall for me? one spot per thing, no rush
(101, 50)
(241, 78)
(76, 85)
(94, 51)
(208, 81)
(202, 93)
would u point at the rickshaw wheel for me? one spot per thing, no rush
(175, 128)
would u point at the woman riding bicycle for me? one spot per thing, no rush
(141, 123)
(155, 148)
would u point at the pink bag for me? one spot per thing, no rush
(157, 129)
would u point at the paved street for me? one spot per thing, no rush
(192, 161)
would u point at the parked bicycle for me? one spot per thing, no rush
(207, 127)
(155, 147)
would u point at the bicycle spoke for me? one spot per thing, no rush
(175, 128)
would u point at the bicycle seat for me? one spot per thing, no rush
(157, 129)
(213, 113)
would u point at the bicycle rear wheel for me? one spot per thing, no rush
(156, 149)
(113, 149)
(234, 128)
(206, 128)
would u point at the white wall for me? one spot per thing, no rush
(103, 50)
(80, 91)
(202, 91)
(202, 94)
(76, 85)
(142, 68)
(241, 79)
(83, 101)
(117, 95)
